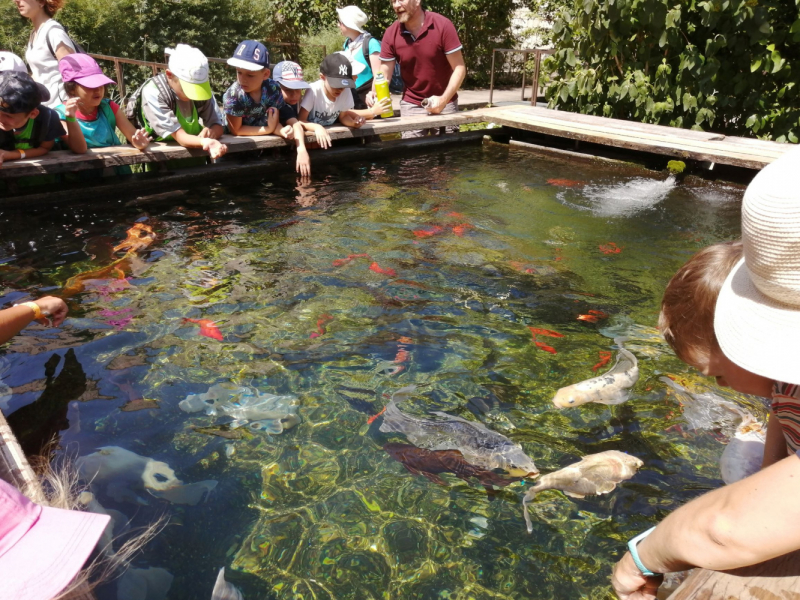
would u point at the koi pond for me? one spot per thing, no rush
(229, 352)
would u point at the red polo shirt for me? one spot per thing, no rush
(423, 60)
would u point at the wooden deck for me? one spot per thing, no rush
(658, 139)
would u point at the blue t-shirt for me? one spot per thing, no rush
(238, 103)
(374, 48)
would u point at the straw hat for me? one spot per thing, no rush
(757, 318)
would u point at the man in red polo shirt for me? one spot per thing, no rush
(431, 62)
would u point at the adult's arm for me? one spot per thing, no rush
(775, 444)
(63, 50)
(387, 68)
(376, 64)
(15, 319)
(456, 60)
(745, 523)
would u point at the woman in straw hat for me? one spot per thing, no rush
(359, 45)
(757, 325)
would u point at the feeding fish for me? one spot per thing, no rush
(321, 322)
(612, 387)
(207, 327)
(605, 358)
(431, 463)
(224, 590)
(375, 267)
(461, 229)
(360, 399)
(144, 584)
(565, 183)
(140, 236)
(340, 262)
(609, 248)
(744, 454)
(423, 233)
(479, 445)
(547, 332)
(593, 475)
(116, 526)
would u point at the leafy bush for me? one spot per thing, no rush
(311, 54)
(723, 65)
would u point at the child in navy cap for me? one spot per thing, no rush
(253, 104)
(27, 128)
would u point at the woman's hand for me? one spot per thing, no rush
(140, 139)
(629, 583)
(53, 308)
(71, 107)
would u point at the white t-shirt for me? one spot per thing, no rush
(320, 109)
(44, 66)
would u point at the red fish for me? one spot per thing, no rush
(423, 233)
(207, 328)
(457, 215)
(605, 358)
(599, 314)
(377, 269)
(340, 262)
(461, 229)
(609, 248)
(321, 326)
(546, 348)
(548, 332)
(372, 419)
(565, 182)
(589, 318)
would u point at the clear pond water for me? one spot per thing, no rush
(467, 249)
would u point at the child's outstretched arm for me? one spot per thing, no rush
(138, 138)
(375, 110)
(74, 138)
(322, 135)
(213, 146)
(43, 149)
(236, 128)
(351, 118)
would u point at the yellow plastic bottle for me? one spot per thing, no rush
(382, 91)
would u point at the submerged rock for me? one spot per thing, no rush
(224, 590)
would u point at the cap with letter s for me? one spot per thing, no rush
(250, 55)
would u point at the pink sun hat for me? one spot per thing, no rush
(83, 70)
(42, 549)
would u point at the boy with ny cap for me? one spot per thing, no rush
(28, 129)
(254, 103)
(324, 102)
(178, 105)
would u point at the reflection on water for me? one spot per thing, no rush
(428, 271)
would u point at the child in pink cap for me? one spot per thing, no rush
(90, 118)
(42, 549)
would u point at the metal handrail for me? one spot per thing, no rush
(539, 52)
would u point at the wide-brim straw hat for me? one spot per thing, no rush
(352, 17)
(757, 318)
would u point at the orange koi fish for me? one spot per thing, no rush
(461, 229)
(599, 314)
(589, 318)
(326, 318)
(609, 248)
(546, 348)
(339, 262)
(457, 215)
(423, 233)
(372, 419)
(375, 267)
(548, 332)
(605, 358)
(207, 327)
(140, 236)
(565, 183)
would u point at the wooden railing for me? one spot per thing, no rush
(538, 52)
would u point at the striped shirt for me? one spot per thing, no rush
(786, 404)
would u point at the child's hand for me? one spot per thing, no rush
(379, 107)
(288, 132)
(71, 107)
(205, 133)
(370, 99)
(2, 157)
(54, 309)
(303, 164)
(140, 140)
(214, 148)
(323, 137)
(272, 118)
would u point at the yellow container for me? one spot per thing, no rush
(382, 91)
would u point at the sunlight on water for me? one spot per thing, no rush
(289, 316)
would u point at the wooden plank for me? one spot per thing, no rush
(14, 466)
(113, 156)
(778, 578)
(653, 138)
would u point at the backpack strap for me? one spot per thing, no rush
(365, 47)
(165, 93)
(58, 25)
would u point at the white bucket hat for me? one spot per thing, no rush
(352, 17)
(757, 318)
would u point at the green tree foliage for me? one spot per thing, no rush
(723, 65)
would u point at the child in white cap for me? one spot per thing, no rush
(178, 105)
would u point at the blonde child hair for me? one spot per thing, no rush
(686, 319)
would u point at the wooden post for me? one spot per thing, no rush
(524, 62)
(120, 78)
(537, 63)
(491, 82)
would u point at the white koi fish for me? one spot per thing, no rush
(612, 387)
